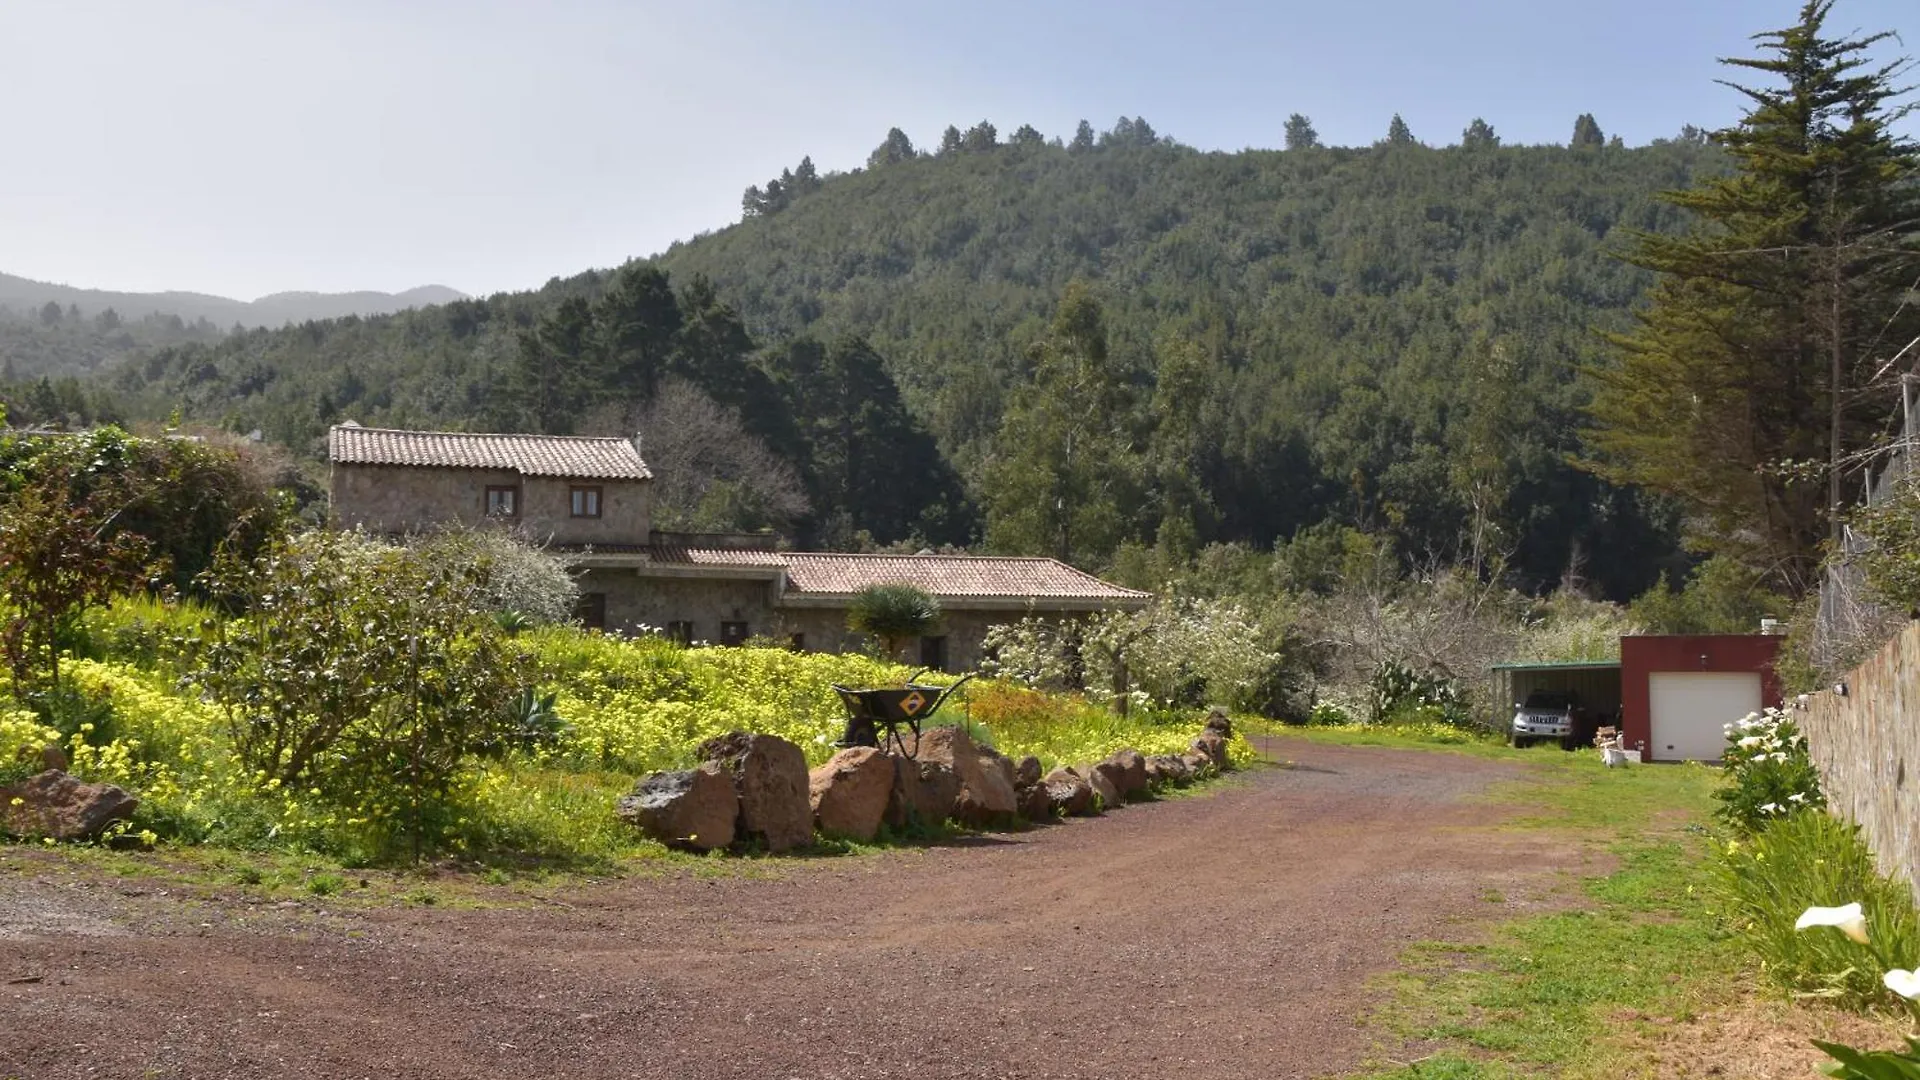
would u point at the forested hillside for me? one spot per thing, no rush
(1386, 337)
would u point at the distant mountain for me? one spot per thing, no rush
(25, 296)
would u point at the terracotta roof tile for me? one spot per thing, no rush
(947, 577)
(692, 556)
(529, 455)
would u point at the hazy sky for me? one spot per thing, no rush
(243, 149)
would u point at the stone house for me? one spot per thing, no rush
(589, 497)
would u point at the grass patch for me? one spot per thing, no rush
(1574, 993)
(1407, 736)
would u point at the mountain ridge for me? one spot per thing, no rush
(271, 311)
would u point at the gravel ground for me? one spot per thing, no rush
(1229, 935)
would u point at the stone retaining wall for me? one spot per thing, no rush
(1865, 742)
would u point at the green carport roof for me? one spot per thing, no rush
(1554, 665)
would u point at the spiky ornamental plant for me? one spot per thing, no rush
(893, 613)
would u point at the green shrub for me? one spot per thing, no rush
(1768, 773)
(362, 674)
(1721, 596)
(1811, 859)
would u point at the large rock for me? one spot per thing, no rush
(1027, 773)
(1067, 792)
(1214, 745)
(1168, 769)
(53, 804)
(986, 777)
(1110, 775)
(770, 775)
(1102, 785)
(850, 792)
(685, 808)
(1035, 803)
(1130, 772)
(924, 793)
(1199, 765)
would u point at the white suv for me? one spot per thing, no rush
(1551, 714)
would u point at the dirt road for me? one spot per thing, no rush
(1229, 935)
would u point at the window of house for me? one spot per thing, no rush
(733, 633)
(933, 652)
(680, 631)
(592, 610)
(503, 500)
(586, 502)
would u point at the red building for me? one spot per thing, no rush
(1678, 692)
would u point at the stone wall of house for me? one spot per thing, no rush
(394, 499)
(634, 600)
(825, 630)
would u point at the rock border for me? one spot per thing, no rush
(773, 800)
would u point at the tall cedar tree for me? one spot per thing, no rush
(1762, 364)
(1062, 476)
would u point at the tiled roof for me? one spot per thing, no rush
(680, 555)
(529, 455)
(947, 577)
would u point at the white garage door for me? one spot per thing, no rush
(1691, 710)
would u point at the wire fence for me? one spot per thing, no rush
(1850, 622)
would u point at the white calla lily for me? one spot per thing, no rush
(1846, 918)
(1904, 983)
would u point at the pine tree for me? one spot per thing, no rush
(1586, 132)
(1082, 138)
(1398, 133)
(896, 149)
(950, 141)
(1479, 136)
(1760, 368)
(980, 138)
(549, 381)
(637, 320)
(1300, 134)
(806, 179)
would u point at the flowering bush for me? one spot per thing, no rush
(1180, 652)
(1067, 730)
(646, 703)
(1768, 773)
(513, 577)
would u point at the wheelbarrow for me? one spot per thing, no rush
(875, 715)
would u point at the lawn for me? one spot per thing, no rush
(1579, 989)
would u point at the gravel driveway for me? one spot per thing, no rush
(1229, 935)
